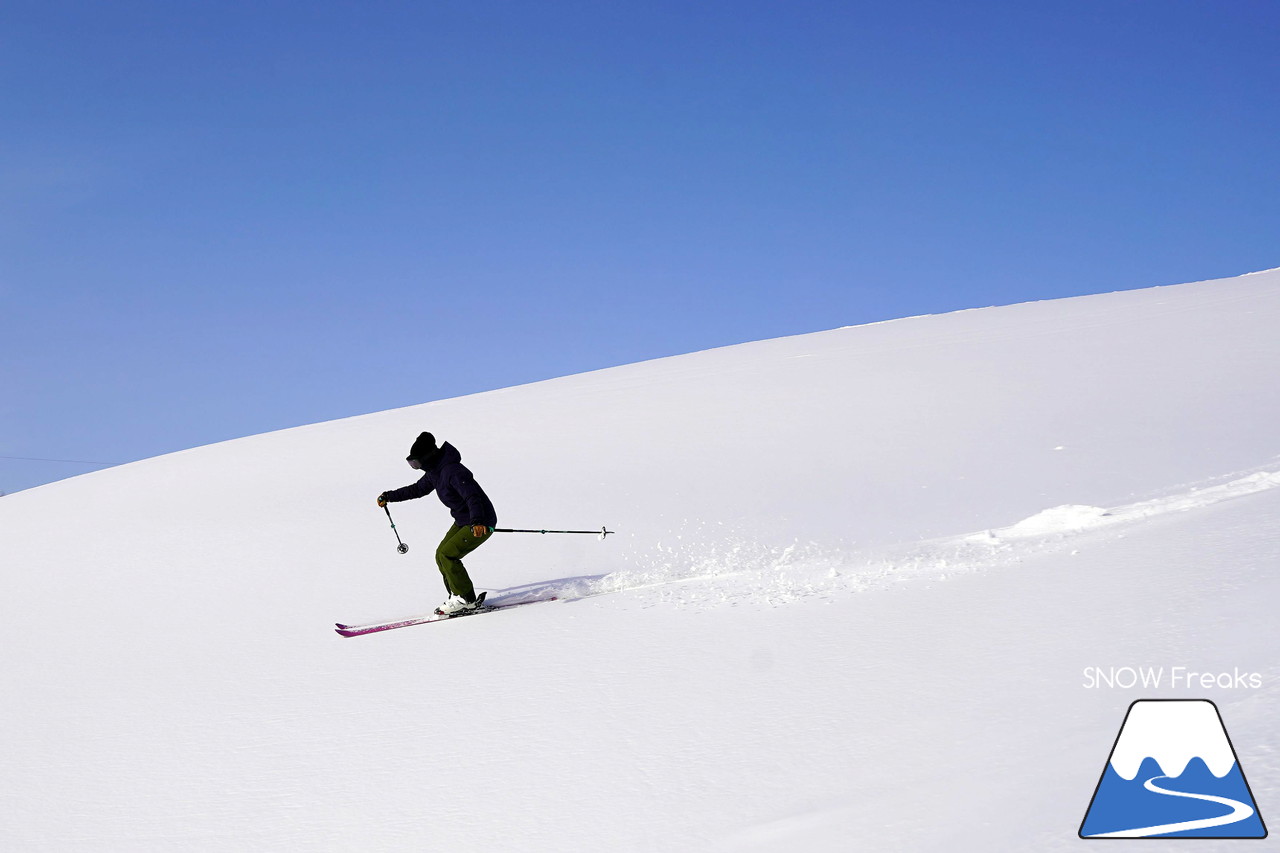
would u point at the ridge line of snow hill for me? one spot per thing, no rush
(702, 572)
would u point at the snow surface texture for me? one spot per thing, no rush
(857, 580)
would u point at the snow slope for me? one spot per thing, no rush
(858, 578)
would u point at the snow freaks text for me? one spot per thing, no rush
(1173, 677)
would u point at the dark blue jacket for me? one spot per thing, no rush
(444, 474)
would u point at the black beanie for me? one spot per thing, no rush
(424, 446)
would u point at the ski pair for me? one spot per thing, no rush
(360, 630)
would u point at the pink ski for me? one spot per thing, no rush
(360, 630)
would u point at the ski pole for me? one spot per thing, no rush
(602, 532)
(402, 548)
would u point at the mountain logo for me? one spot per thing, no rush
(1173, 773)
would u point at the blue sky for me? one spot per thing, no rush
(220, 219)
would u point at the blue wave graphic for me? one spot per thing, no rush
(1122, 805)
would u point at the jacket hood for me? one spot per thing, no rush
(446, 455)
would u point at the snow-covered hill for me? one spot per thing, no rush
(859, 581)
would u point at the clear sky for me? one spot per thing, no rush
(223, 218)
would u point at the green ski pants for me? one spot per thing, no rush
(458, 543)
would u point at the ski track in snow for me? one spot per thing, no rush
(734, 570)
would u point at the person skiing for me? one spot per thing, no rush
(473, 514)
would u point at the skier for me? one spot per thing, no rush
(473, 515)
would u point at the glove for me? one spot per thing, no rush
(382, 499)
(479, 531)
